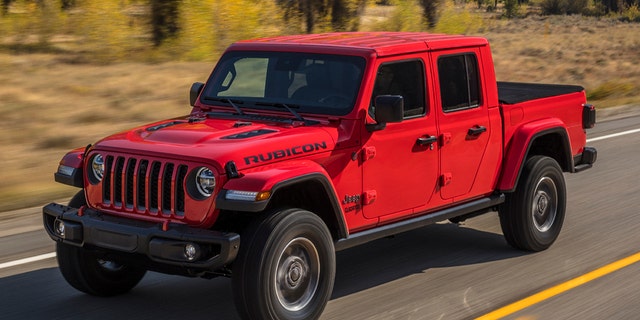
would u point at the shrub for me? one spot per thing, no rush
(631, 13)
(511, 8)
(597, 10)
(458, 20)
(207, 27)
(406, 16)
(551, 7)
(610, 88)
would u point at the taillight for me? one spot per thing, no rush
(588, 116)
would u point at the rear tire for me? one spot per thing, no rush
(285, 268)
(89, 273)
(531, 217)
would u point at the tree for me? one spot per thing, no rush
(511, 8)
(430, 9)
(164, 20)
(315, 15)
(67, 4)
(345, 14)
(5, 6)
(616, 5)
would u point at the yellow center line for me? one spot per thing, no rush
(558, 289)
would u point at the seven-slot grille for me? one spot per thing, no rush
(144, 186)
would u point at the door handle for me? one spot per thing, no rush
(476, 130)
(423, 141)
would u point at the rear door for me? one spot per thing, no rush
(463, 119)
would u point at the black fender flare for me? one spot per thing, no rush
(222, 203)
(565, 158)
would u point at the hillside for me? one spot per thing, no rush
(50, 103)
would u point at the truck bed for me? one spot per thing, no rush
(516, 92)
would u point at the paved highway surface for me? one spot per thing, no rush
(443, 271)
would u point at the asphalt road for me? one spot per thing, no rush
(443, 271)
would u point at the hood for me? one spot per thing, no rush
(220, 141)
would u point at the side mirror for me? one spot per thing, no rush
(388, 108)
(196, 88)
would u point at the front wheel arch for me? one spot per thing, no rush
(313, 193)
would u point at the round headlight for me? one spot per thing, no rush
(205, 181)
(97, 167)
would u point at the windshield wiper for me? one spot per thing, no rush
(240, 114)
(290, 109)
(229, 101)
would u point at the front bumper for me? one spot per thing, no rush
(91, 228)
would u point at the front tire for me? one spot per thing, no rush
(285, 268)
(531, 217)
(88, 272)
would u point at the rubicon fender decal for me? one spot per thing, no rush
(287, 152)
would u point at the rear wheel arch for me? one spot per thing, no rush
(553, 143)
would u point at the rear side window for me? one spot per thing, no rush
(459, 82)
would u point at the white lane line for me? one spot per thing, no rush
(27, 260)
(609, 136)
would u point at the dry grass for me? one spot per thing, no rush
(600, 54)
(49, 106)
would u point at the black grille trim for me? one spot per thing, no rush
(106, 183)
(145, 186)
(153, 187)
(130, 177)
(141, 186)
(180, 190)
(117, 181)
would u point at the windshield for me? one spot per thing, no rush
(310, 83)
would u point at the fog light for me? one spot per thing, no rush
(58, 226)
(191, 251)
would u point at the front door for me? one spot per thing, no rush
(400, 166)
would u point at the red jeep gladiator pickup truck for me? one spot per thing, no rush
(298, 146)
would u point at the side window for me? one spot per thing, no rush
(459, 82)
(405, 78)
